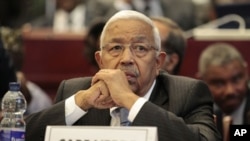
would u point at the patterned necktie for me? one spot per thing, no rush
(124, 117)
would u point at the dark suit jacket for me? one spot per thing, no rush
(181, 109)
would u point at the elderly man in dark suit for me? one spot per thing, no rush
(130, 59)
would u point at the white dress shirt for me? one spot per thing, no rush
(70, 22)
(139, 5)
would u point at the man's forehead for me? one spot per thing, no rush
(129, 30)
(126, 23)
(129, 26)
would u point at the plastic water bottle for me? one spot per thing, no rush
(13, 107)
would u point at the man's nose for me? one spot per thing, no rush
(127, 56)
(230, 88)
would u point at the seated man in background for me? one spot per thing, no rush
(173, 43)
(75, 16)
(225, 71)
(37, 98)
(130, 60)
(92, 42)
(180, 11)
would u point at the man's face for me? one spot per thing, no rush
(228, 85)
(140, 69)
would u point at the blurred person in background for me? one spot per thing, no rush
(15, 13)
(75, 15)
(183, 12)
(173, 43)
(7, 73)
(225, 71)
(92, 41)
(36, 97)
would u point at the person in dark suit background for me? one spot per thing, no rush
(225, 71)
(173, 42)
(130, 59)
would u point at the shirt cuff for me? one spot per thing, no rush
(72, 111)
(136, 108)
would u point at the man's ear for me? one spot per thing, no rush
(98, 59)
(160, 60)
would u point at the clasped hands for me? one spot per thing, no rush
(109, 88)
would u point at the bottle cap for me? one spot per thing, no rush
(14, 86)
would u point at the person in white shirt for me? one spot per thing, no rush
(72, 16)
(180, 11)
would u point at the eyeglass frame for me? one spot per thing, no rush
(134, 48)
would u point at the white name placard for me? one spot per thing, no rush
(100, 133)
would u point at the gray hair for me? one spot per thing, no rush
(219, 54)
(128, 15)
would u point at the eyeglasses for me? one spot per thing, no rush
(138, 49)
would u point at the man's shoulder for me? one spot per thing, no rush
(82, 82)
(176, 78)
(70, 86)
(173, 82)
(78, 79)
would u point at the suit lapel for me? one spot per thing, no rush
(95, 117)
(159, 94)
(246, 119)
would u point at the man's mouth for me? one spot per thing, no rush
(129, 74)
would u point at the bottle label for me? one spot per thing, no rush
(12, 134)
